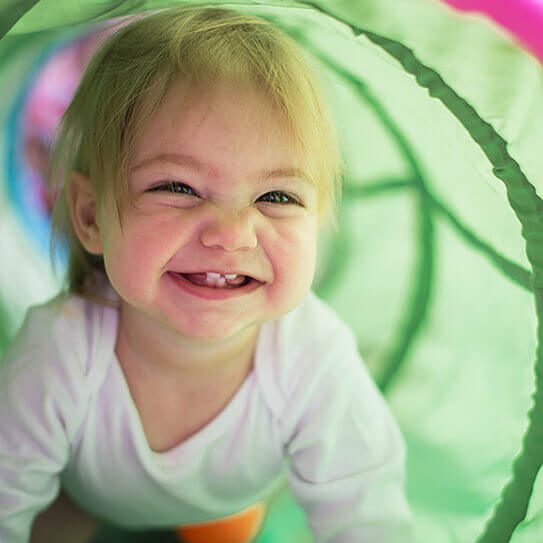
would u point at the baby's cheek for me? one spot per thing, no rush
(124, 266)
(294, 248)
(295, 269)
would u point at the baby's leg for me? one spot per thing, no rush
(64, 522)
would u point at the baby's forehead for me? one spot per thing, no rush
(214, 123)
(186, 100)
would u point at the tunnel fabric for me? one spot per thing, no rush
(440, 115)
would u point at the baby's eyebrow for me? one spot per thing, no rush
(197, 165)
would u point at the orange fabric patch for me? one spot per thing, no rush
(239, 528)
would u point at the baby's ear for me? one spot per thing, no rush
(82, 203)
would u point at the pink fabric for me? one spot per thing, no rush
(47, 101)
(522, 18)
(56, 84)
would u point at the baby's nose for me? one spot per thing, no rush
(230, 231)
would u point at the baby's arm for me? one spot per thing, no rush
(346, 452)
(40, 406)
(32, 452)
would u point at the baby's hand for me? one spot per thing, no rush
(64, 522)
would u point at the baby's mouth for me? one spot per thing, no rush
(217, 280)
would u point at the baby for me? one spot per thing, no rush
(188, 370)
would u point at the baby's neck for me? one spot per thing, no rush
(169, 378)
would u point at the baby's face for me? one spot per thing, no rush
(214, 245)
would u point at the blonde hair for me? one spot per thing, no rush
(128, 78)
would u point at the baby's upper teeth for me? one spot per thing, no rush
(231, 276)
(213, 275)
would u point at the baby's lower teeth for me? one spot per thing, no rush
(217, 283)
(238, 281)
(222, 282)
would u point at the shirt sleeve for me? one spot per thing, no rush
(346, 453)
(39, 398)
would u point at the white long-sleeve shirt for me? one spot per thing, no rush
(308, 410)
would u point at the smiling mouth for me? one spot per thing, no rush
(217, 281)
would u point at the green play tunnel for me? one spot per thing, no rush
(438, 261)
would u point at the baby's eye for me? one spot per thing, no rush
(279, 197)
(175, 187)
